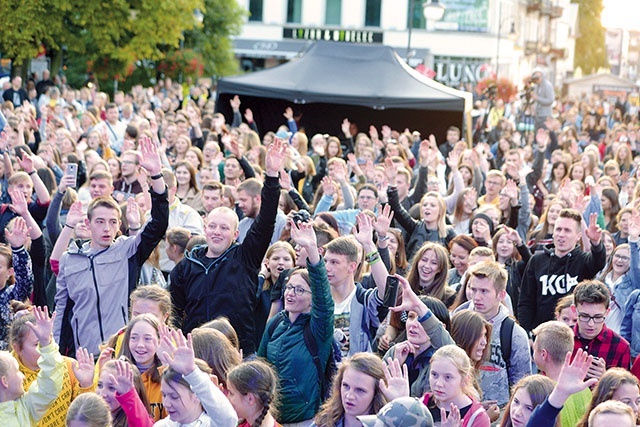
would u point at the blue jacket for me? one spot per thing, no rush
(626, 293)
(285, 349)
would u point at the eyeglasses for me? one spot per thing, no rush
(298, 290)
(493, 183)
(622, 258)
(584, 317)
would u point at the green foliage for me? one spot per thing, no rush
(114, 38)
(591, 52)
(222, 18)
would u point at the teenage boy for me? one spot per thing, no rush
(591, 303)
(553, 341)
(510, 358)
(554, 272)
(356, 310)
(95, 280)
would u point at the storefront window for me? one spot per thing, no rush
(294, 11)
(333, 12)
(417, 19)
(372, 13)
(255, 10)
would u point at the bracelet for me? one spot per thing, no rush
(383, 238)
(158, 176)
(67, 225)
(32, 172)
(372, 258)
(134, 229)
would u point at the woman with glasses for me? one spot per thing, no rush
(307, 306)
(622, 276)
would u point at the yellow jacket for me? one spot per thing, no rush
(32, 406)
(57, 413)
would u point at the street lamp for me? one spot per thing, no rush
(432, 10)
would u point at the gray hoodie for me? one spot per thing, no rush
(494, 379)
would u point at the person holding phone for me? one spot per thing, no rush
(426, 332)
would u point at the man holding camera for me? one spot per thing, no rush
(543, 95)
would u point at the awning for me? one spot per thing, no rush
(285, 49)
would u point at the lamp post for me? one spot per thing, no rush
(432, 10)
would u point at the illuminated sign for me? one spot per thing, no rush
(335, 35)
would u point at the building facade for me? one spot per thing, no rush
(474, 39)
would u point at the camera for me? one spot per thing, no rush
(301, 216)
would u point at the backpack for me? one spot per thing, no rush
(506, 335)
(326, 374)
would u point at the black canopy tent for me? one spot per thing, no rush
(369, 84)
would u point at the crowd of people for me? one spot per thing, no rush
(202, 271)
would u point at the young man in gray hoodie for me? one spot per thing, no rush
(488, 283)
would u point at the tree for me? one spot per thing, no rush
(222, 18)
(591, 52)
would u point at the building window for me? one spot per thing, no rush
(294, 11)
(417, 19)
(372, 13)
(333, 12)
(255, 10)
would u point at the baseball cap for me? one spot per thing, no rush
(401, 412)
(282, 134)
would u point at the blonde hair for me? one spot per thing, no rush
(461, 361)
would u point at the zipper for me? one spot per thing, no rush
(95, 285)
(124, 315)
(77, 334)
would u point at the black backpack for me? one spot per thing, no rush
(506, 335)
(326, 374)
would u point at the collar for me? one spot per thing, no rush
(603, 336)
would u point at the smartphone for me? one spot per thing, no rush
(391, 292)
(72, 169)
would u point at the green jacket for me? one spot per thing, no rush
(300, 395)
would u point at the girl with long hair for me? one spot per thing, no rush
(529, 393)
(188, 191)
(459, 250)
(253, 393)
(355, 391)
(513, 255)
(452, 393)
(120, 385)
(140, 344)
(615, 384)
(431, 227)
(217, 351)
(543, 234)
(88, 410)
(397, 252)
(466, 204)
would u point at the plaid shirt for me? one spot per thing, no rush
(608, 345)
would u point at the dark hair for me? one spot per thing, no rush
(591, 292)
(258, 378)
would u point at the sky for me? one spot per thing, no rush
(621, 14)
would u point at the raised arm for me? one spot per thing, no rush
(364, 235)
(20, 260)
(402, 216)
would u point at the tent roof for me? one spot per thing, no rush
(372, 76)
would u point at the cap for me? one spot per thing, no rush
(283, 134)
(401, 412)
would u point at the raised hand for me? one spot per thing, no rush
(571, 378)
(18, 236)
(67, 181)
(383, 221)
(346, 128)
(364, 232)
(248, 115)
(328, 188)
(511, 190)
(181, 358)
(43, 326)
(410, 301)
(390, 171)
(105, 355)
(594, 232)
(18, 202)
(386, 132)
(542, 138)
(373, 133)
(397, 380)
(453, 160)
(276, 156)
(454, 417)
(84, 368)
(513, 235)
(285, 180)
(133, 213)
(149, 158)
(26, 162)
(288, 113)
(235, 103)
(123, 380)
(75, 214)
(304, 235)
